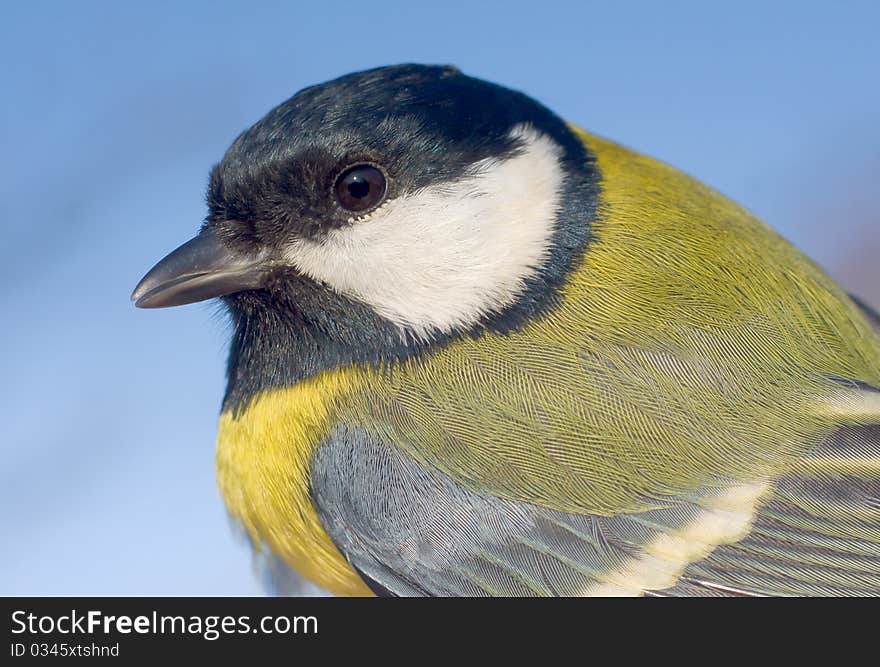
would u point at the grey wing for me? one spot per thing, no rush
(410, 530)
(413, 531)
(819, 535)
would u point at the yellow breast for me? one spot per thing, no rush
(263, 459)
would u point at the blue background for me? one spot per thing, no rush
(114, 112)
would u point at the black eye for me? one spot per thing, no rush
(360, 187)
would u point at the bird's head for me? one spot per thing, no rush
(396, 206)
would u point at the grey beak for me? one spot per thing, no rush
(202, 268)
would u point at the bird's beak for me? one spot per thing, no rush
(202, 268)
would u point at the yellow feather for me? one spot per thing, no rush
(262, 469)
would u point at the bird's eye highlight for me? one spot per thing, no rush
(360, 187)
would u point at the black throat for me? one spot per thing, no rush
(297, 328)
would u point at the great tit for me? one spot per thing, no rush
(478, 351)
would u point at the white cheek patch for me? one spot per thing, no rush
(445, 256)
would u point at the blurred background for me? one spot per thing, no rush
(115, 112)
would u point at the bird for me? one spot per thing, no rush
(478, 351)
